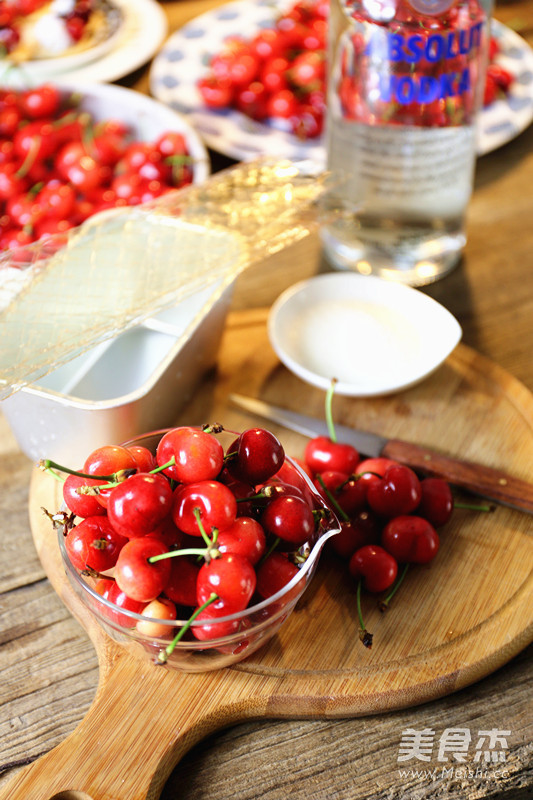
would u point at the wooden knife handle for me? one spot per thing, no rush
(480, 480)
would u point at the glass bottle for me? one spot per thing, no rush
(405, 85)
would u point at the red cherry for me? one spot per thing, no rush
(397, 492)
(322, 454)
(347, 491)
(375, 566)
(436, 504)
(137, 576)
(40, 101)
(137, 505)
(83, 505)
(274, 573)
(410, 539)
(94, 544)
(144, 458)
(255, 456)
(231, 577)
(109, 590)
(245, 537)
(212, 501)
(211, 627)
(198, 455)
(181, 585)
(361, 530)
(289, 518)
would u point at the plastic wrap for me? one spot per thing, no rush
(64, 295)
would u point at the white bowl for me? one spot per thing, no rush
(373, 336)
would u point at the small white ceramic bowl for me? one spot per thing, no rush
(373, 336)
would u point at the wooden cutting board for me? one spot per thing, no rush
(451, 624)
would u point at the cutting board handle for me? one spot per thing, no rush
(142, 721)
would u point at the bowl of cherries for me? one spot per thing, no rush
(191, 545)
(69, 151)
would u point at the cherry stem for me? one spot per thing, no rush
(47, 466)
(31, 155)
(329, 411)
(169, 649)
(474, 507)
(342, 514)
(383, 606)
(169, 463)
(205, 537)
(207, 553)
(364, 635)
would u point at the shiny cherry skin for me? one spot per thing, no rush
(436, 504)
(348, 491)
(199, 456)
(274, 573)
(360, 530)
(397, 492)
(322, 454)
(109, 590)
(181, 585)
(211, 627)
(231, 577)
(213, 501)
(94, 544)
(410, 539)
(289, 518)
(375, 566)
(255, 456)
(139, 504)
(137, 576)
(245, 537)
(83, 505)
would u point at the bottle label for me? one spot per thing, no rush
(413, 70)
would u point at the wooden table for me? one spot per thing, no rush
(48, 669)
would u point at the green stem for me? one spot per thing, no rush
(169, 649)
(205, 537)
(169, 463)
(46, 464)
(473, 507)
(342, 514)
(385, 604)
(329, 411)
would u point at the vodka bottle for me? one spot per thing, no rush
(405, 85)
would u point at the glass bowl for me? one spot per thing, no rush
(254, 626)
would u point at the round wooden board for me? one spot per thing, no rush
(452, 623)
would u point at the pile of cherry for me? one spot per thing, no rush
(278, 76)
(59, 166)
(193, 532)
(198, 533)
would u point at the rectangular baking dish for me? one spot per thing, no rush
(136, 382)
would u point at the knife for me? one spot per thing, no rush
(486, 482)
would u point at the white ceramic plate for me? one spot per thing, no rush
(373, 336)
(184, 59)
(143, 29)
(76, 58)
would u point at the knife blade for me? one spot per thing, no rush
(478, 479)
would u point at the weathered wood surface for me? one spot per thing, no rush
(49, 669)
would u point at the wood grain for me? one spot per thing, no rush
(316, 667)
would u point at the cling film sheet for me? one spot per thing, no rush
(60, 297)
